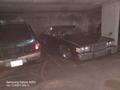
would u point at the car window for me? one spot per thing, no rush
(63, 31)
(14, 33)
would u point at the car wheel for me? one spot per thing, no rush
(65, 52)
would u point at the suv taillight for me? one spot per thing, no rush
(37, 46)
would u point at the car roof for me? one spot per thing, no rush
(59, 27)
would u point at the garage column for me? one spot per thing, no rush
(110, 20)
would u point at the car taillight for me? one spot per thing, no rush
(37, 46)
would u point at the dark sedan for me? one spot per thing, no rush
(70, 42)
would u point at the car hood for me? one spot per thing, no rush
(80, 39)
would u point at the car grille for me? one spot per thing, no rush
(98, 46)
(12, 51)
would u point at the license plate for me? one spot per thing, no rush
(16, 63)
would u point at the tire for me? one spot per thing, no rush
(65, 52)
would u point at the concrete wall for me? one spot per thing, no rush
(41, 21)
(110, 20)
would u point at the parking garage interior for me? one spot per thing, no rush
(53, 72)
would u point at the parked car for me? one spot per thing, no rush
(18, 44)
(70, 42)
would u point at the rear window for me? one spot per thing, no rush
(66, 30)
(14, 33)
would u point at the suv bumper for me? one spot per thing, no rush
(24, 59)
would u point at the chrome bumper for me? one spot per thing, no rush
(99, 53)
(25, 59)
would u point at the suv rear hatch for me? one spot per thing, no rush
(16, 40)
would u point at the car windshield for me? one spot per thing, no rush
(64, 30)
(14, 33)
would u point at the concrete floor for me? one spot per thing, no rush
(57, 74)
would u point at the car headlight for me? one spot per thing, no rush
(109, 43)
(83, 49)
(87, 48)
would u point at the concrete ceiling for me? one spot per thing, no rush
(49, 5)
